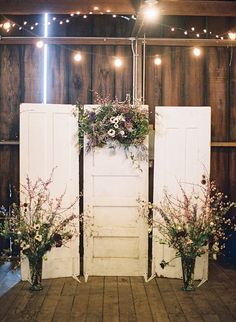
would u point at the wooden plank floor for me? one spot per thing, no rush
(123, 299)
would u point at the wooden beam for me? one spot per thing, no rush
(190, 42)
(128, 7)
(223, 144)
(117, 41)
(197, 8)
(17, 7)
(65, 41)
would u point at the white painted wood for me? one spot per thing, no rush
(48, 140)
(117, 244)
(182, 154)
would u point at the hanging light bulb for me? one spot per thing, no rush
(118, 62)
(77, 57)
(150, 11)
(7, 25)
(39, 44)
(196, 51)
(232, 35)
(157, 60)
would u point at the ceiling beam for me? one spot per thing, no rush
(129, 7)
(118, 41)
(197, 8)
(16, 7)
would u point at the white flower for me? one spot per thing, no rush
(112, 119)
(122, 132)
(38, 238)
(111, 133)
(36, 226)
(116, 119)
(116, 125)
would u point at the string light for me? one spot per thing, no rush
(157, 60)
(39, 44)
(150, 8)
(118, 62)
(150, 11)
(77, 57)
(232, 35)
(7, 25)
(196, 51)
(95, 8)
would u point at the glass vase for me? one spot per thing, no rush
(188, 265)
(35, 267)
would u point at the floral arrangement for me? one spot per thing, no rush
(40, 222)
(112, 123)
(194, 224)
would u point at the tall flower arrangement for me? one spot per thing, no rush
(112, 123)
(194, 223)
(39, 223)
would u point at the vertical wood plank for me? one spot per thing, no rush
(123, 75)
(217, 91)
(126, 304)
(79, 83)
(194, 93)
(9, 91)
(9, 174)
(172, 83)
(33, 74)
(153, 80)
(57, 75)
(102, 73)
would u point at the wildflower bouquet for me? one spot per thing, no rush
(112, 123)
(194, 223)
(39, 223)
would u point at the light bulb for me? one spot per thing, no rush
(39, 44)
(232, 35)
(118, 62)
(150, 13)
(196, 52)
(7, 25)
(157, 60)
(77, 57)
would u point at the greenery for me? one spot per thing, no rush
(193, 224)
(40, 222)
(112, 123)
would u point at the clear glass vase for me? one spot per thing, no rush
(35, 267)
(188, 265)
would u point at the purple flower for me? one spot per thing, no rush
(92, 117)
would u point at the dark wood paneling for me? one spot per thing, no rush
(153, 80)
(79, 85)
(194, 87)
(220, 168)
(33, 74)
(232, 94)
(9, 173)
(216, 85)
(9, 91)
(57, 74)
(172, 76)
(102, 72)
(123, 75)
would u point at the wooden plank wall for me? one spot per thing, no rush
(182, 79)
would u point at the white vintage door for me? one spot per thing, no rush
(182, 154)
(47, 141)
(115, 240)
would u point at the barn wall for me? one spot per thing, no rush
(181, 80)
